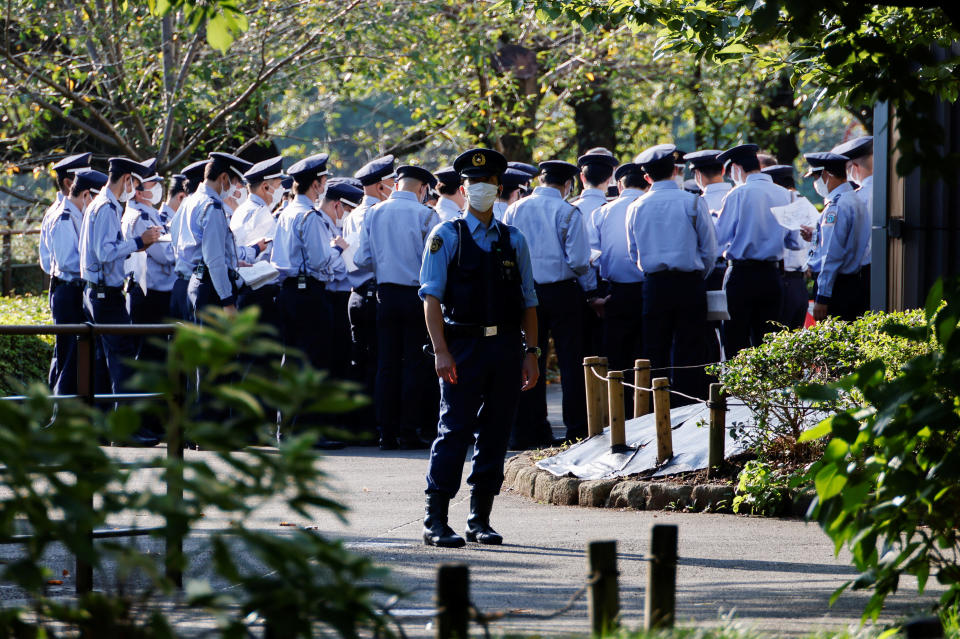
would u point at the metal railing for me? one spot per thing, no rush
(86, 366)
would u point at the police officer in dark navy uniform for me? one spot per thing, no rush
(480, 303)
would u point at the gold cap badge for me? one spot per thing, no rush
(478, 159)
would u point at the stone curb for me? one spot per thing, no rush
(522, 476)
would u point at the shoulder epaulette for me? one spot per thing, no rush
(145, 216)
(64, 216)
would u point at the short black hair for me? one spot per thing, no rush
(115, 176)
(447, 190)
(551, 177)
(662, 170)
(506, 193)
(176, 188)
(634, 181)
(596, 173)
(710, 170)
(215, 168)
(749, 163)
(74, 191)
(786, 181)
(61, 176)
(254, 184)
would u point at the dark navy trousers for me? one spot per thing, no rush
(793, 308)
(754, 290)
(623, 330)
(674, 326)
(479, 410)
(117, 349)
(66, 306)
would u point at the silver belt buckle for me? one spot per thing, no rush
(489, 331)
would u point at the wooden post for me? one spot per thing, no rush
(176, 523)
(718, 427)
(8, 256)
(662, 584)
(592, 387)
(453, 601)
(603, 599)
(641, 378)
(604, 407)
(618, 436)
(661, 406)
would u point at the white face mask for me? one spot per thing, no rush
(240, 194)
(126, 195)
(275, 197)
(821, 187)
(481, 196)
(736, 174)
(852, 175)
(678, 180)
(154, 193)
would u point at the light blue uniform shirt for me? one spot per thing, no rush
(669, 229)
(352, 228)
(866, 195)
(609, 236)
(433, 272)
(338, 268)
(822, 234)
(747, 229)
(447, 209)
(160, 260)
(102, 247)
(713, 195)
(589, 202)
(64, 236)
(554, 228)
(205, 237)
(499, 208)
(393, 237)
(302, 244)
(845, 234)
(166, 215)
(46, 223)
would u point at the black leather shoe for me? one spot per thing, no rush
(478, 525)
(436, 532)
(388, 443)
(329, 444)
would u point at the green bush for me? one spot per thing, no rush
(888, 486)
(24, 359)
(764, 377)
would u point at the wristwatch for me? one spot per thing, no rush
(534, 350)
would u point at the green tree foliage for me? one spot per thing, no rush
(24, 359)
(888, 486)
(857, 53)
(304, 584)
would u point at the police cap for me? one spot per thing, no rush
(85, 179)
(376, 170)
(559, 170)
(72, 163)
(343, 192)
(706, 159)
(286, 183)
(266, 170)
(855, 148)
(779, 171)
(478, 163)
(194, 174)
(740, 154)
(227, 162)
(832, 162)
(448, 176)
(629, 168)
(123, 166)
(417, 173)
(598, 155)
(691, 186)
(656, 156)
(309, 169)
(529, 169)
(513, 178)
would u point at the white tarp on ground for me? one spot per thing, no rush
(592, 459)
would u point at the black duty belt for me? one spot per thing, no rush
(56, 281)
(475, 330)
(367, 289)
(756, 263)
(793, 275)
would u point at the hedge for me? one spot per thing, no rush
(24, 359)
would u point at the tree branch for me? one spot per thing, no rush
(171, 102)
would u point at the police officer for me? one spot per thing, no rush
(391, 242)
(179, 302)
(306, 262)
(377, 181)
(206, 245)
(152, 307)
(102, 253)
(254, 221)
(64, 171)
(333, 209)
(66, 284)
(560, 253)
(843, 237)
(478, 296)
(793, 308)
(753, 243)
(176, 193)
(859, 152)
(450, 202)
(510, 190)
(671, 237)
(623, 309)
(708, 173)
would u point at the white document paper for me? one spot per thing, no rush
(263, 228)
(165, 238)
(798, 213)
(257, 275)
(137, 264)
(353, 240)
